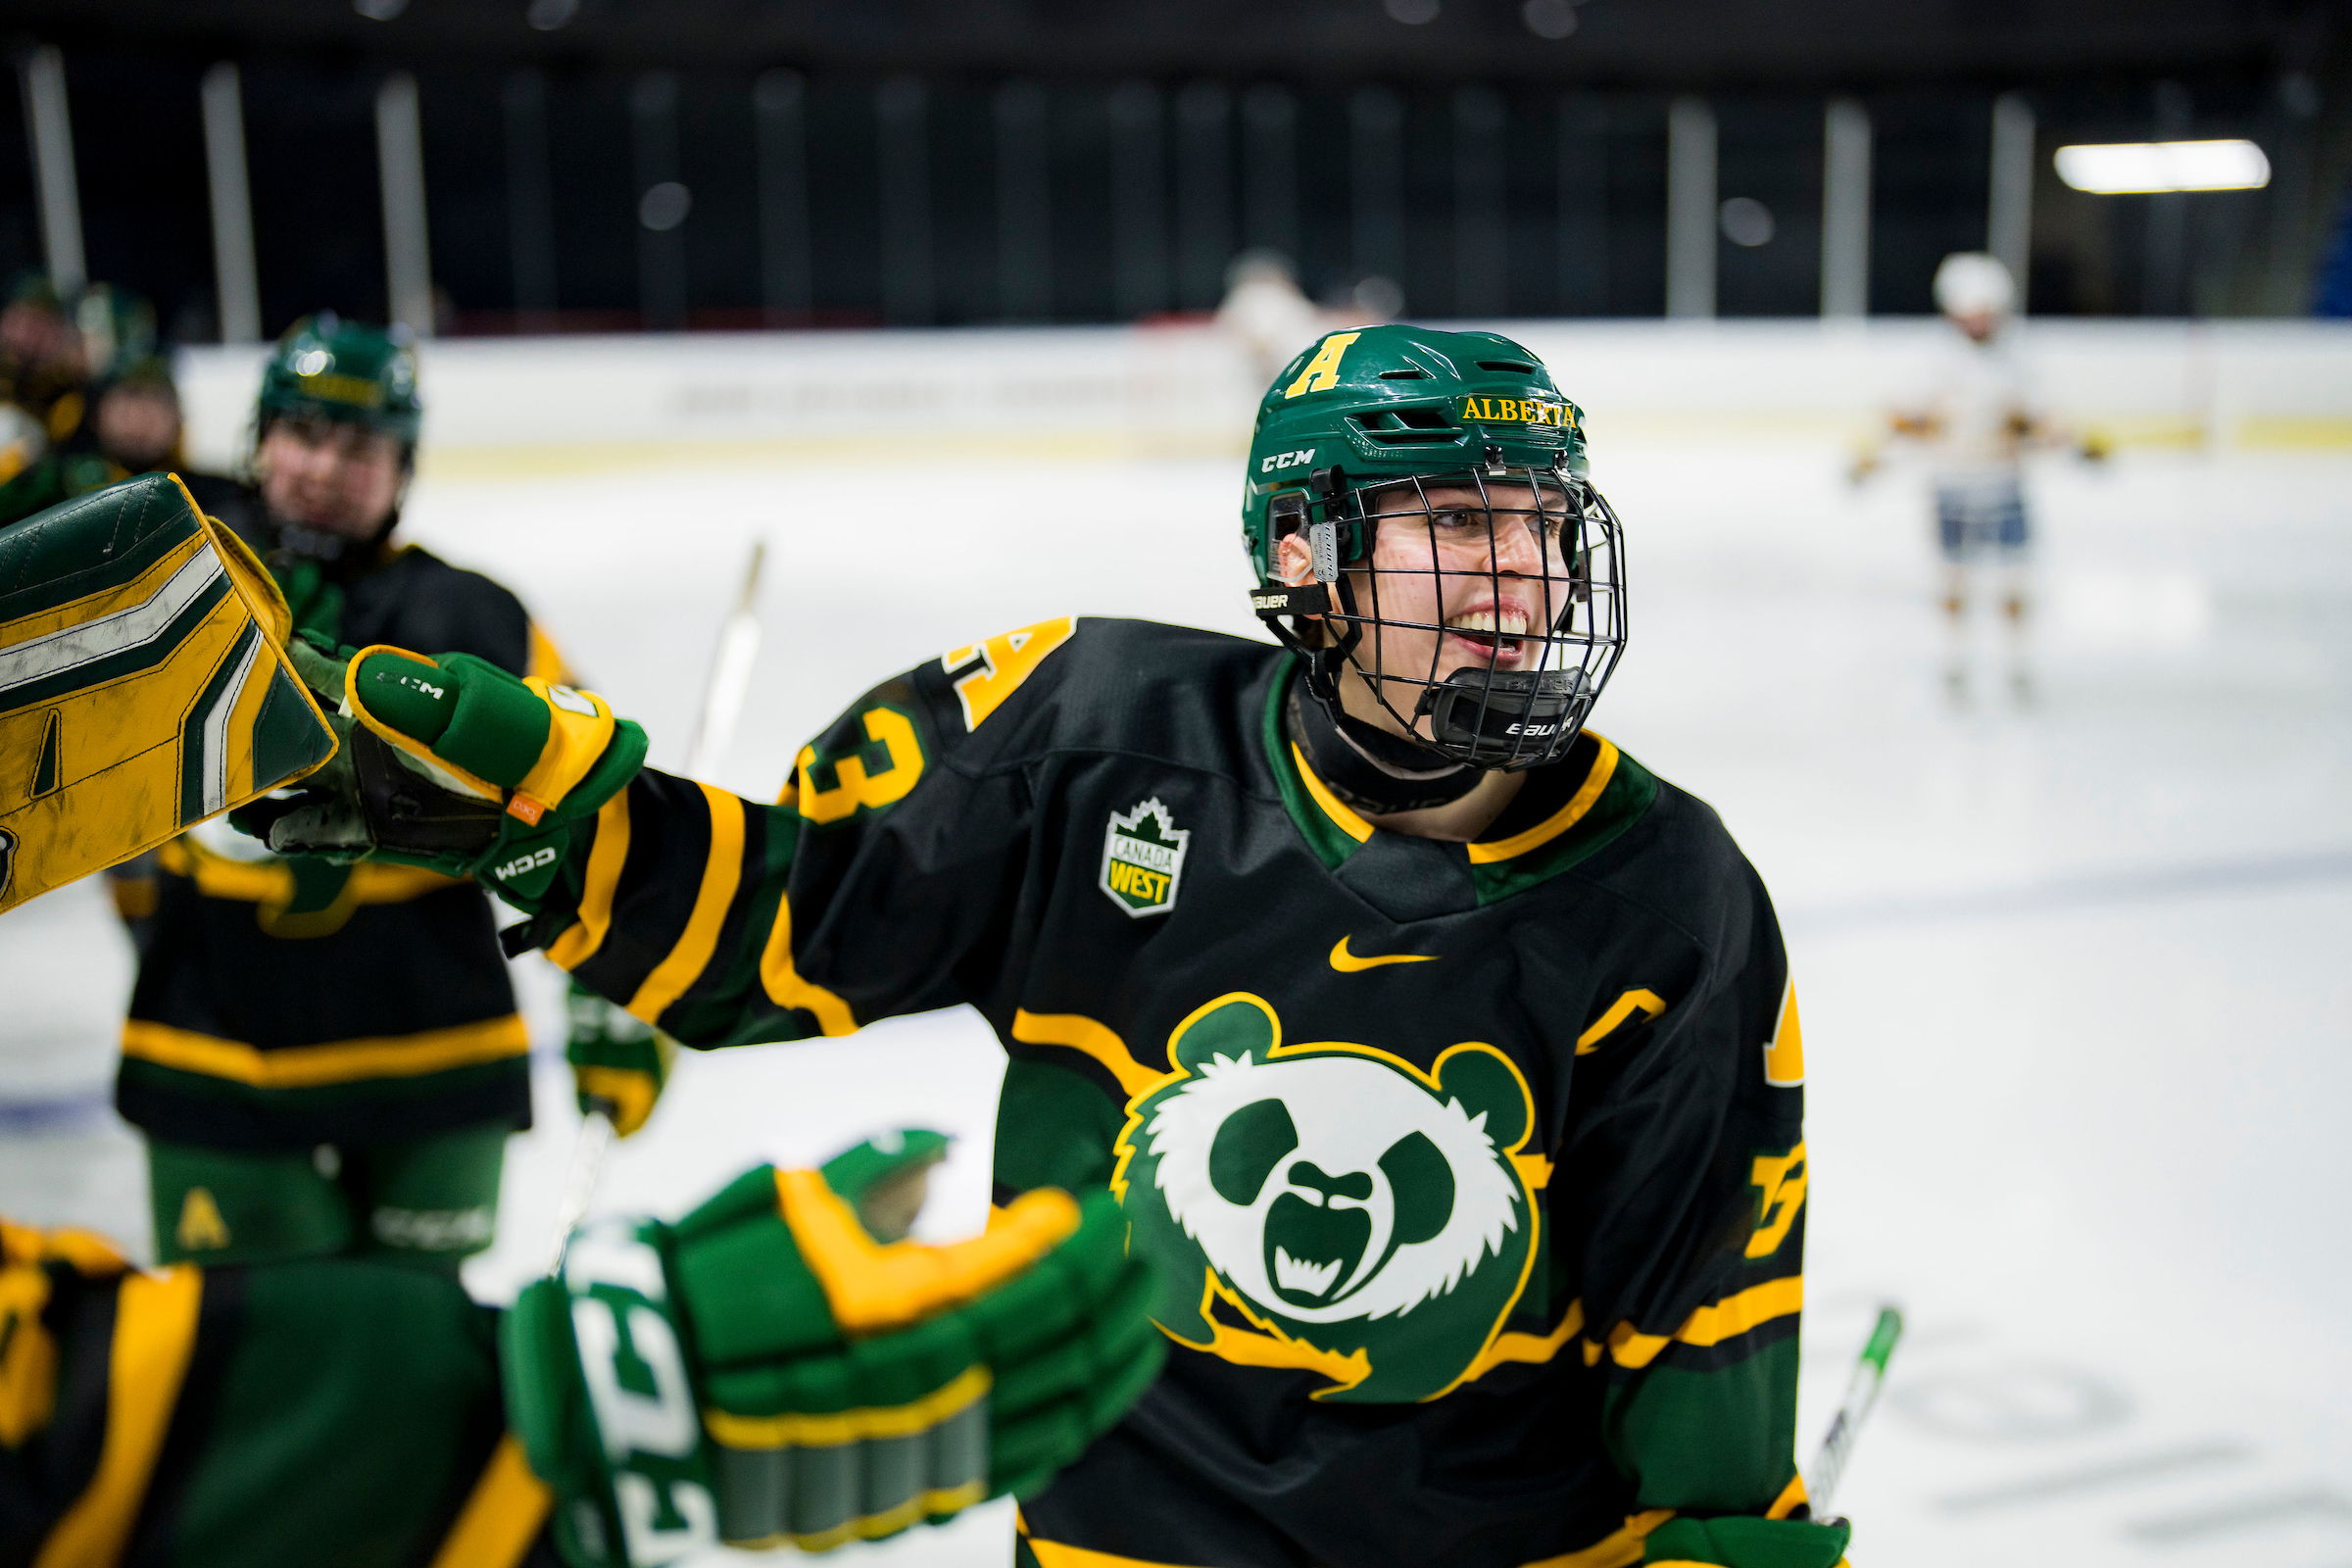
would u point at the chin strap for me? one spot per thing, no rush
(339, 557)
(1371, 769)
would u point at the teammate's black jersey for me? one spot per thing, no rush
(286, 1001)
(1474, 1170)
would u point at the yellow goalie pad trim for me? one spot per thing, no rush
(133, 712)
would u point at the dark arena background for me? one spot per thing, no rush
(961, 309)
(592, 164)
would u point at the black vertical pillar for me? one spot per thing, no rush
(1024, 205)
(902, 115)
(530, 200)
(1479, 268)
(663, 202)
(1203, 193)
(1270, 162)
(780, 148)
(1581, 218)
(1138, 201)
(1376, 185)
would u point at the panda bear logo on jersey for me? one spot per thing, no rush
(1331, 1205)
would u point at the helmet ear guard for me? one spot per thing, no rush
(1332, 541)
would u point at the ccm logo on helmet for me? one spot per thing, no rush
(1285, 460)
(1518, 411)
(545, 855)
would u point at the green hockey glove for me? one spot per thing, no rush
(766, 1370)
(619, 1062)
(453, 764)
(1747, 1543)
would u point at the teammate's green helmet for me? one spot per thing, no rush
(1357, 435)
(117, 327)
(328, 368)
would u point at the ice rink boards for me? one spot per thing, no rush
(2074, 995)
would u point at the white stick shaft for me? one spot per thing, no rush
(730, 678)
(722, 704)
(579, 1183)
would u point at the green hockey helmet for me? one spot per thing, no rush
(1401, 452)
(328, 368)
(117, 327)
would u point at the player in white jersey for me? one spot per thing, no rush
(1976, 419)
(1266, 312)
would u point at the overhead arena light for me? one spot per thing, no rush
(2140, 168)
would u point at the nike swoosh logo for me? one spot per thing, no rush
(1348, 963)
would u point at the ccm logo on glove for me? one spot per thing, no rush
(545, 855)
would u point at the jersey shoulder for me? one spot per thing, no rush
(1087, 683)
(418, 600)
(1680, 866)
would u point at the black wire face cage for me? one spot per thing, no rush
(1493, 643)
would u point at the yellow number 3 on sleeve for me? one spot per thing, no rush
(1000, 664)
(853, 785)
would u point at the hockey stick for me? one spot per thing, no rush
(723, 692)
(1861, 1393)
(730, 672)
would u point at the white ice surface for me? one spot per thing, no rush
(2075, 990)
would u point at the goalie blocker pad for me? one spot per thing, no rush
(145, 683)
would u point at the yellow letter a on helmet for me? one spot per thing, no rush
(1322, 373)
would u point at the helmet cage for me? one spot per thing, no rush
(1500, 715)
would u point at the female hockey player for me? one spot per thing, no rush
(327, 1057)
(1441, 1055)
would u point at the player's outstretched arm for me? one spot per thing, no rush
(452, 764)
(768, 1370)
(876, 886)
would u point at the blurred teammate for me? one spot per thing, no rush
(328, 1057)
(1440, 1056)
(42, 371)
(111, 408)
(777, 1366)
(133, 427)
(1977, 419)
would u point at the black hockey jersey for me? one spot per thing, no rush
(286, 1001)
(1474, 1171)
